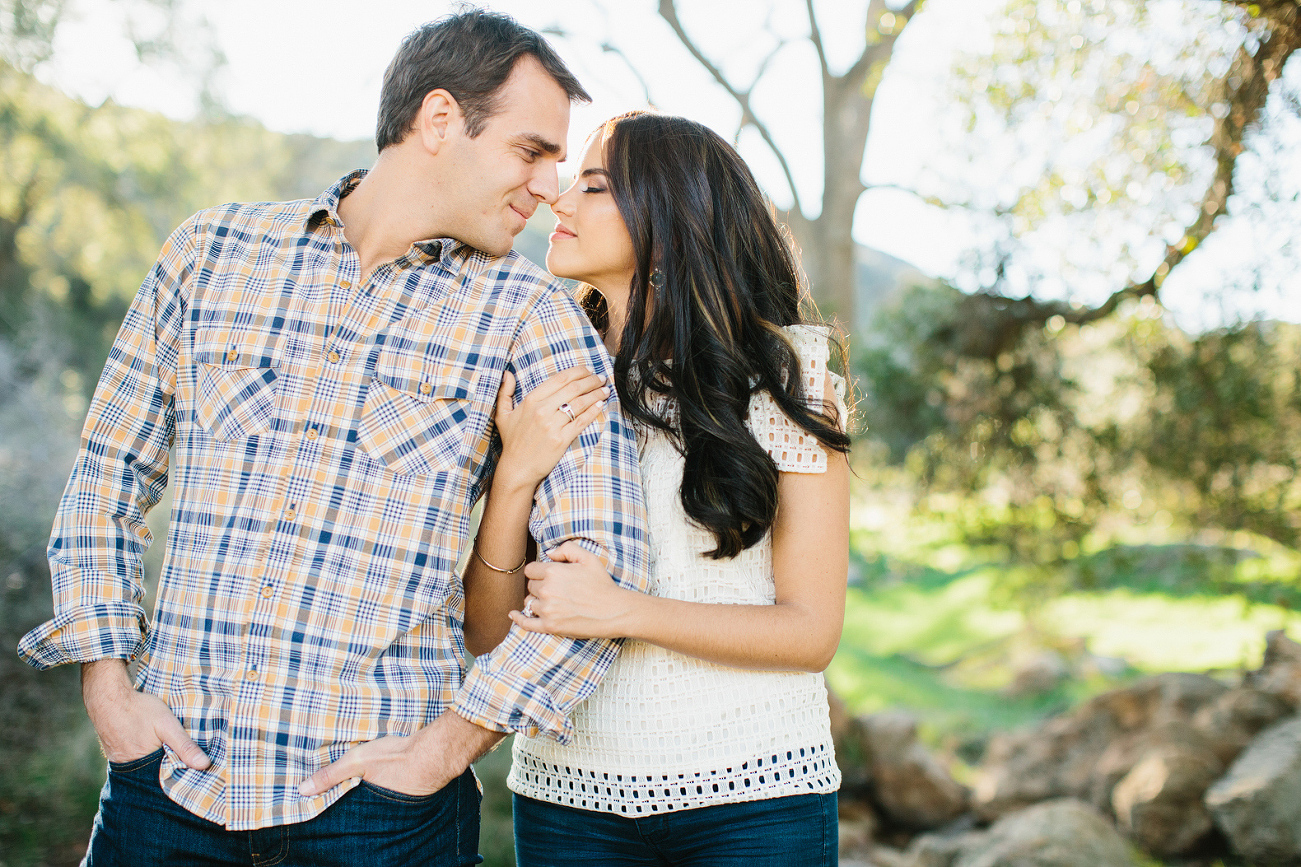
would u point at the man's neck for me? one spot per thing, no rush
(382, 216)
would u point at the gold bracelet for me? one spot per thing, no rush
(498, 568)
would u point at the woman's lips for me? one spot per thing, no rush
(561, 233)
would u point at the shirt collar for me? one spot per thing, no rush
(325, 209)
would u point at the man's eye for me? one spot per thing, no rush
(532, 156)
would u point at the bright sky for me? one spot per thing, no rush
(315, 66)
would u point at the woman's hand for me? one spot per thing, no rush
(536, 433)
(574, 596)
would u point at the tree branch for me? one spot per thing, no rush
(1243, 91)
(815, 36)
(668, 11)
(618, 52)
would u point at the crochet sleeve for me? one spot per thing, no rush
(791, 447)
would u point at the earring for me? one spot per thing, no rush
(657, 278)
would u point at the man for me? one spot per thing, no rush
(324, 374)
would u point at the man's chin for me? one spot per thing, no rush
(494, 247)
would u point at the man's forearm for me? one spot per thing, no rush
(454, 740)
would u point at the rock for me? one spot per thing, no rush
(1039, 674)
(1159, 802)
(1084, 753)
(1059, 833)
(1280, 672)
(1237, 716)
(857, 828)
(884, 856)
(854, 762)
(1257, 804)
(937, 850)
(908, 785)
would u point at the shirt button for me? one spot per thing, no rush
(251, 674)
(312, 433)
(426, 388)
(267, 591)
(290, 514)
(231, 354)
(345, 284)
(332, 356)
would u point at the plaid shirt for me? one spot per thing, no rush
(330, 438)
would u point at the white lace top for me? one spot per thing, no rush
(664, 731)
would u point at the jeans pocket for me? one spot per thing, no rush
(133, 765)
(401, 797)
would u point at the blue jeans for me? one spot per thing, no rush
(794, 831)
(139, 826)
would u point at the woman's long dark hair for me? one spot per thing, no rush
(713, 334)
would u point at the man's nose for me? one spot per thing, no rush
(545, 185)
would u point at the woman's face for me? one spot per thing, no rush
(591, 244)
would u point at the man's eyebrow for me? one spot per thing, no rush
(547, 147)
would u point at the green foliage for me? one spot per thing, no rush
(1053, 439)
(1224, 426)
(92, 191)
(1093, 116)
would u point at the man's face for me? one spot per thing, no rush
(504, 172)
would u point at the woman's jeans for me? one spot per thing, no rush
(794, 831)
(139, 826)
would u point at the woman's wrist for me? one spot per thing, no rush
(630, 620)
(511, 479)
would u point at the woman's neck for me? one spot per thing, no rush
(615, 314)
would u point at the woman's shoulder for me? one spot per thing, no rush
(790, 446)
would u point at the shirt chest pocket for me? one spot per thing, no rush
(416, 422)
(235, 395)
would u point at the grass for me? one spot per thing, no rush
(940, 629)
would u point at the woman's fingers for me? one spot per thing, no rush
(583, 403)
(558, 382)
(528, 624)
(506, 394)
(589, 415)
(570, 552)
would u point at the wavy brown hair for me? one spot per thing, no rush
(709, 333)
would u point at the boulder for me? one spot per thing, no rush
(1059, 833)
(1084, 753)
(909, 786)
(1280, 672)
(1257, 804)
(857, 827)
(1159, 802)
(1232, 720)
(1041, 673)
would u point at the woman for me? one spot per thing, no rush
(708, 741)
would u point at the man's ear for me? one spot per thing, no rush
(438, 120)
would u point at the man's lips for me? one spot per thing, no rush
(524, 216)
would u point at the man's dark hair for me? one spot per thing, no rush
(470, 55)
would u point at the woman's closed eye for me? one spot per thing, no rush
(594, 189)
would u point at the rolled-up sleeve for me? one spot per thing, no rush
(531, 681)
(100, 536)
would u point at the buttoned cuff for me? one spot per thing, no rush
(503, 702)
(86, 633)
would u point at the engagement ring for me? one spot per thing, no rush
(565, 408)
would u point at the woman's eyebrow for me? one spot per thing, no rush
(587, 173)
